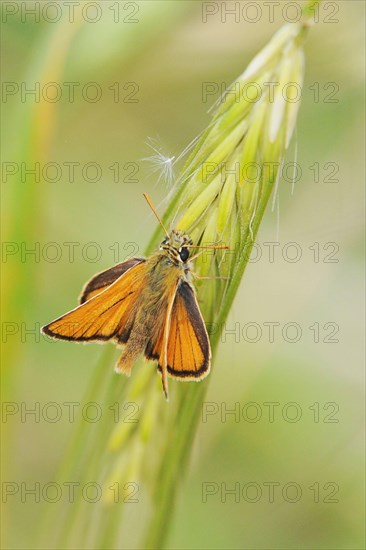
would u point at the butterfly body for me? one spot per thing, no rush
(163, 277)
(148, 306)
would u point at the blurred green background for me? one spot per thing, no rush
(161, 54)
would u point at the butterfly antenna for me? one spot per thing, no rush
(205, 247)
(217, 246)
(149, 202)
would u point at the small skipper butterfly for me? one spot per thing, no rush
(150, 307)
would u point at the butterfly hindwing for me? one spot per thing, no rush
(188, 350)
(100, 281)
(108, 314)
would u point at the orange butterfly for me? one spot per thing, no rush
(149, 306)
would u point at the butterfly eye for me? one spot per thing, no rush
(184, 253)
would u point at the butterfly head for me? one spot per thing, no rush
(176, 247)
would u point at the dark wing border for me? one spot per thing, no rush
(107, 277)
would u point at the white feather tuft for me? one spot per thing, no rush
(161, 164)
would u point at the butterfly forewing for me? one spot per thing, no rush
(107, 313)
